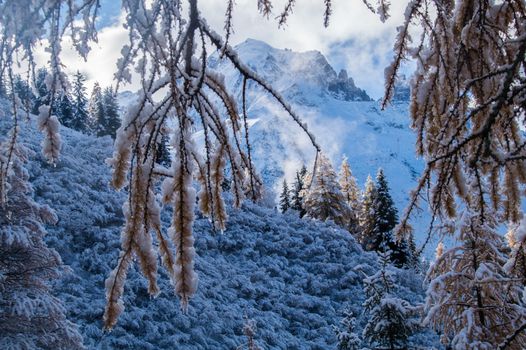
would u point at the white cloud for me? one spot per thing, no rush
(101, 63)
(355, 39)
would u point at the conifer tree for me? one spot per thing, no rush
(386, 213)
(324, 199)
(249, 330)
(346, 335)
(30, 316)
(409, 251)
(79, 104)
(378, 219)
(284, 198)
(470, 298)
(367, 217)
(391, 320)
(64, 109)
(96, 114)
(226, 184)
(298, 190)
(163, 153)
(22, 89)
(307, 183)
(42, 96)
(349, 186)
(111, 120)
(351, 192)
(3, 89)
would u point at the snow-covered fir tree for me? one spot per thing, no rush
(30, 316)
(367, 217)
(96, 113)
(42, 95)
(80, 120)
(390, 319)
(64, 109)
(386, 221)
(284, 197)
(378, 218)
(385, 210)
(324, 199)
(409, 256)
(298, 189)
(249, 330)
(3, 88)
(163, 152)
(346, 334)
(23, 91)
(351, 193)
(470, 298)
(111, 121)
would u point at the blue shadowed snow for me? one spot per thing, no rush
(293, 277)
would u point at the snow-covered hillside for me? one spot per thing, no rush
(293, 277)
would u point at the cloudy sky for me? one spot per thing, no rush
(355, 39)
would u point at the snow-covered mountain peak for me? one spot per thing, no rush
(343, 118)
(287, 69)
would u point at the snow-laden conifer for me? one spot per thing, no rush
(367, 215)
(324, 199)
(284, 197)
(30, 316)
(64, 109)
(249, 330)
(96, 112)
(111, 121)
(346, 334)
(42, 96)
(22, 90)
(391, 320)
(470, 297)
(298, 191)
(80, 116)
(350, 191)
(385, 210)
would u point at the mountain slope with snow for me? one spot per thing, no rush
(293, 277)
(344, 120)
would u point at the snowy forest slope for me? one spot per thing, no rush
(292, 276)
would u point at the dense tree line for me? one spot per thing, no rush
(370, 216)
(97, 115)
